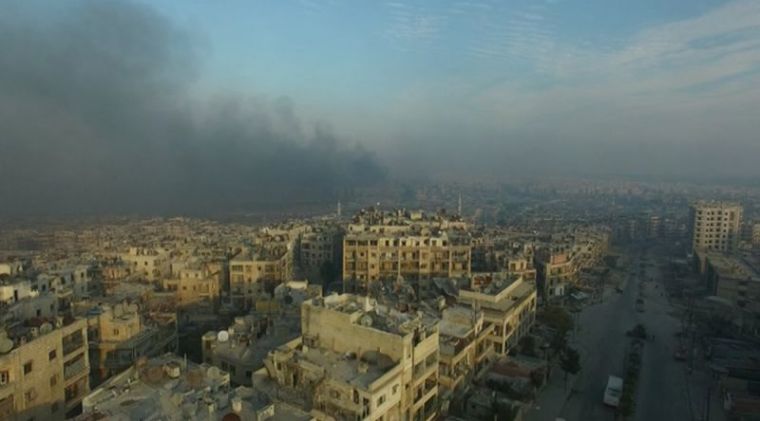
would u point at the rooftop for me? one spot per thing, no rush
(367, 312)
(171, 388)
(359, 372)
(737, 267)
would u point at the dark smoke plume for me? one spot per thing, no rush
(97, 115)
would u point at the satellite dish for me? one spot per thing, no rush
(366, 320)
(117, 310)
(132, 308)
(222, 336)
(6, 345)
(46, 328)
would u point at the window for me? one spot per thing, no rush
(30, 395)
(53, 380)
(28, 367)
(116, 332)
(5, 377)
(51, 355)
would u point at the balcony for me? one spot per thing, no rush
(74, 368)
(73, 342)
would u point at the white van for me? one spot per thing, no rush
(613, 391)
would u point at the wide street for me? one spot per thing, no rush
(601, 339)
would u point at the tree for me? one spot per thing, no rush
(558, 342)
(570, 362)
(558, 319)
(528, 346)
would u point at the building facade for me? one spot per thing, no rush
(358, 360)
(45, 374)
(715, 226)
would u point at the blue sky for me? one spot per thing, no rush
(406, 76)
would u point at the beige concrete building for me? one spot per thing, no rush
(508, 306)
(413, 255)
(357, 360)
(715, 226)
(44, 369)
(557, 269)
(240, 350)
(410, 244)
(195, 282)
(255, 268)
(171, 388)
(120, 334)
(150, 263)
(736, 280)
(465, 347)
(319, 246)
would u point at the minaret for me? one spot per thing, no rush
(339, 209)
(459, 208)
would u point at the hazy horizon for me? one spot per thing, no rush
(132, 106)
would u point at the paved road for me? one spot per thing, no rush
(662, 392)
(602, 343)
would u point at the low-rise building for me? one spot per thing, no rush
(121, 334)
(240, 350)
(171, 388)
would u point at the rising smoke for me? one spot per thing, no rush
(100, 112)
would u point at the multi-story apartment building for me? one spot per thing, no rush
(465, 347)
(255, 268)
(715, 226)
(736, 279)
(557, 269)
(120, 334)
(508, 306)
(195, 282)
(147, 262)
(44, 368)
(357, 360)
(413, 255)
(320, 246)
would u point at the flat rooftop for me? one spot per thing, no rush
(369, 313)
(735, 266)
(347, 369)
(170, 388)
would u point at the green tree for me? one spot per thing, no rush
(570, 362)
(528, 346)
(557, 318)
